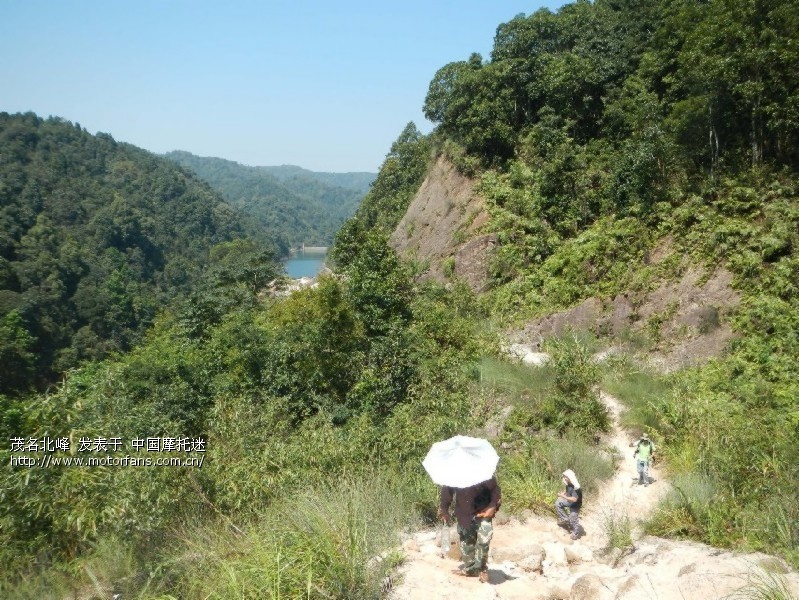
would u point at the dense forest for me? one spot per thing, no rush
(291, 204)
(95, 236)
(594, 133)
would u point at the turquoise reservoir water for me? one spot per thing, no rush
(305, 264)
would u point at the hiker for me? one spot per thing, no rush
(475, 508)
(644, 454)
(572, 499)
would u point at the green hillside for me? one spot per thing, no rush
(600, 133)
(595, 135)
(291, 203)
(95, 237)
(355, 181)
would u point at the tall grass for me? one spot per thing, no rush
(641, 391)
(764, 585)
(111, 566)
(331, 541)
(531, 478)
(515, 381)
(618, 530)
(689, 510)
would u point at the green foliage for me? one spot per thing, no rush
(531, 476)
(328, 542)
(289, 392)
(618, 530)
(17, 361)
(96, 237)
(764, 585)
(694, 508)
(518, 382)
(398, 180)
(708, 84)
(291, 204)
(379, 285)
(576, 398)
(643, 393)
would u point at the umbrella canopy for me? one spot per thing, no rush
(461, 461)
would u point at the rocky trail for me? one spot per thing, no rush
(534, 559)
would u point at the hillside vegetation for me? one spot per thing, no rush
(292, 205)
(593, 134)
(95, 236)
(603, 131)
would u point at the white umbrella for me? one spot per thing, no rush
(461, 461)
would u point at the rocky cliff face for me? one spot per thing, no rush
(442, 228)
(685, 318)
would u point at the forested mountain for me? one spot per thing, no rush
(291, 203)
(95, 237)
(601, 134)
(355, 181)
(616, 145)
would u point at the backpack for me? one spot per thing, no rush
(483, 499)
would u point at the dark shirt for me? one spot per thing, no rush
(471, 500)
(571, 493)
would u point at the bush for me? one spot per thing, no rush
(576, 397)
(618, 530)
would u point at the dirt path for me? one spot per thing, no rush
(536, 560)
(621, 496)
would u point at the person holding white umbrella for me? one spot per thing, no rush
(464, 468)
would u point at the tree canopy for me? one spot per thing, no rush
(95, 237)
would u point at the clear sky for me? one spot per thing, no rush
(327, 85)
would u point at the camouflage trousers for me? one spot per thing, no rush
(474, 541)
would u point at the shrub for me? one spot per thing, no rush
(577, 402)
(618, 530)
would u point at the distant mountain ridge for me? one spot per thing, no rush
(354, 180)
(293, 204)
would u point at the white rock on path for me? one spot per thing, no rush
(528, 354)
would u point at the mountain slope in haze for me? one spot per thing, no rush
(95, 236)
(290, 202)
(358, 181)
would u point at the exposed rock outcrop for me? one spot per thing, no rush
(441, 228)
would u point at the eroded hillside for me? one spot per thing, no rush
(441, 229)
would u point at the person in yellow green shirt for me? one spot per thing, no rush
(644, 455)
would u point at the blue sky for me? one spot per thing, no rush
(324, 85)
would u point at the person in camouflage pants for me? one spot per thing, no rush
(474, 543)
(475, 508)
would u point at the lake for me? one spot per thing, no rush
(305, 264)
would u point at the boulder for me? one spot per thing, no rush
(533, 563)
(577, 553)
(535, 359)
(555, 563)
(590, 587)
(501, 519)
(518, 553)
